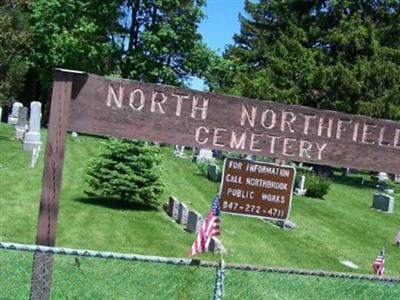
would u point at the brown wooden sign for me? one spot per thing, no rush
(257, 189)
(132, 109)
(124, 108)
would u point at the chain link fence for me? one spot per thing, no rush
(81, 274)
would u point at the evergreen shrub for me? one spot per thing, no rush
(126, 170)
(317, 186)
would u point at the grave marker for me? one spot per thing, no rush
(173, 207)
(195, 221)
(32, 137)
(301, 190)
(182, 214)
(20, 128)
(13, 117)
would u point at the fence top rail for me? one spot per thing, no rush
(191, 262)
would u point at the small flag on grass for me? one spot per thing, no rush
(379, 264)
(210, 228)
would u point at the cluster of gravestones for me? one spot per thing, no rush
(27, 131)
(191, 220)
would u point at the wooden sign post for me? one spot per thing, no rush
(125, 108)
(52, 177)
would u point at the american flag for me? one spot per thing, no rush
(211, 227)
(379, 264)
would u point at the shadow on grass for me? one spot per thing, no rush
(357, 182)
(116, 204)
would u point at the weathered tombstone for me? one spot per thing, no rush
(383, 202)
(32, 137)
(397, 178)
(173, 208)
(20, 128)
(182, 214)
(13, 117)
(301, 190)
(194, 222)
(205, 155)
(214, 173)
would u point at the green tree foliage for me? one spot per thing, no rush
(342, 55)
(72, 34)
(148, 40)
(158, 40)
(126, 170)
(14, 43)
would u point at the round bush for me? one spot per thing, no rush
(126, 170)
(317, 186)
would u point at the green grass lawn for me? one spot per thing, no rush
(341, 227)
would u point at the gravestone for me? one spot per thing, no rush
(214, 173)
(1, 113)
(179, 151)
(195, 221)
(205, 155)
(13, 117)
(173, 208)
(182, 214)
(285, 224)
(20, 128)
(301, 190)
(397, 178)
(32, 137)
(383, 202)
(382, 177)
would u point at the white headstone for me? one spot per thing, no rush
(13, 117)
(20, 128)
(1, 113)
(179, 151)
(204, 155)
(32, 137)
(382, 177)
(300, 190)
